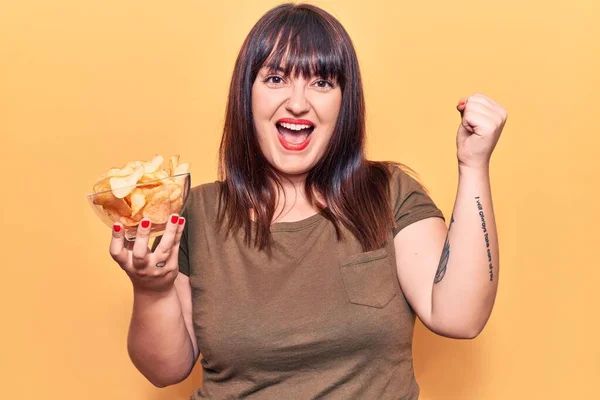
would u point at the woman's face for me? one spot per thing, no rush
(294, 119)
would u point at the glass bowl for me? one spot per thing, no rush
(155, 200)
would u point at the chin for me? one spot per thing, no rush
(292, 169)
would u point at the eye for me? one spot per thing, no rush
(274, 79)
(323, 84)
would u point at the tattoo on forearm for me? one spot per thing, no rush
(487, 240)
(441, 270)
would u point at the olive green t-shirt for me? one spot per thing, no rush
(317, 319)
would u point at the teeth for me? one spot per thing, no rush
(294, 127)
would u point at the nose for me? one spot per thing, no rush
(297, 103)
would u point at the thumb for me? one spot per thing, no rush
(462, 105)
(464, 129)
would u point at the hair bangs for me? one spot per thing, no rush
(301, 44)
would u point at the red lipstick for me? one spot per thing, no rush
(295, 121)
(290, 146)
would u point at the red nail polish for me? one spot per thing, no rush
(117, 228)
(174, 219)
(145, 223)
(181, 221)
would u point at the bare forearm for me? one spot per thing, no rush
(466, 281)
(159, 344)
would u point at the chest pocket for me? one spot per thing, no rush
(369, 279)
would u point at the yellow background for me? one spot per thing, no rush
(88, 85)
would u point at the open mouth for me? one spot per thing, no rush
(294, 136)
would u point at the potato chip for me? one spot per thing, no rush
(102, 185)
(138, 200)
(154, 176)
(122, 186)
(134, 164)
(181, 169)
(130, 222)
(120, 172)
(107, 199)
(177, 203)
(161, 174)
(126, 221)
(153, 165)
(175, 191)
(173, 163)
(109, 174)
(158, 208)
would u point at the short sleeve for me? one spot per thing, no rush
(184, 262)
(410, 200)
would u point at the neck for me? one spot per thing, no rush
(296, 204)
(292, 193)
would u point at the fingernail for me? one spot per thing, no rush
(174, 219)
(145, 223)
(181, 220)
(117, 228)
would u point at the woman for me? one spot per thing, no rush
(299, 274)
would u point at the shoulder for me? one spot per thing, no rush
(403, 181)
(205, 190)
(203, 198)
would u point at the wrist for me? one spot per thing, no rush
(482, 170)
(152, 294)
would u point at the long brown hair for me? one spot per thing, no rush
(356, 190)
